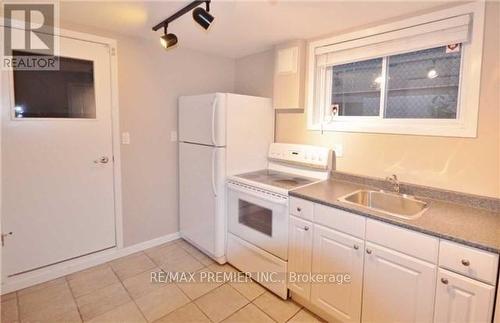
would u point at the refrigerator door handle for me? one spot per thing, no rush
(214, 107)
(214, 188)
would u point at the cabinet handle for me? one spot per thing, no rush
(465, 262)
(306, 228)
(299, 209)
(369, 251)
(356, 247)
(444, 281)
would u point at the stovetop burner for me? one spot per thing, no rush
(279, 179)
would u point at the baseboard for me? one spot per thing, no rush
(42, 275)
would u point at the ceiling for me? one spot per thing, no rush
(241, 27)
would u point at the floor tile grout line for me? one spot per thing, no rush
(18, 304)
(97, 289)
(35, 291)
(130, 296)
(74, 298)
(300, 309)
(251, 303)
(229, 285)
(291, 300)
(193, 302)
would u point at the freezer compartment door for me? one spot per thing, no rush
(202, 196)
(202, 119)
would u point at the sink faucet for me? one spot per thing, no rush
(393, 179)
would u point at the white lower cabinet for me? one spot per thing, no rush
(299, 255)
(461, 299)
(397, 287)
(394, 275)
(336, 253)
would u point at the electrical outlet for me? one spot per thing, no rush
(125, 138)
(173, 136)
(339, 150)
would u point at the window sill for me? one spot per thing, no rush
(441, 128)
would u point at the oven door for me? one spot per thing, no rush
(259, 217)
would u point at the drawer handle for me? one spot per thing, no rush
(369, 251)
(444, 281)
(465, 262)
(299, 209)
(306, 228)
(356, 247)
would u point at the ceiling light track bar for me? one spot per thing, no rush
(181, 12)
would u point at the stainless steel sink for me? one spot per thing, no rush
(398, 205)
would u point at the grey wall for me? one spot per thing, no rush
(254, 74)
(150, 80)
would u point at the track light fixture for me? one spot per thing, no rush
(200, 15)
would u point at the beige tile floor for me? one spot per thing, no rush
(121, 291)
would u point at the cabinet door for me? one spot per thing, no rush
(397, 287)
(461, 299)
(299, 255)
(338, 254)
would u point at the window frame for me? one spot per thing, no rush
(465, 125)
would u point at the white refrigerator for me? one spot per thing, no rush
(220, 134)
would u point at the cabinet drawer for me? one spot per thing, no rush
(301, 208)
(468, 261)
(403, 240)
(340, 220)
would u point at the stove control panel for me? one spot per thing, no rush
(318, 157)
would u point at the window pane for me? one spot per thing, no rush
(356, 88)
(67, 93)
(256, 217)
(423, 84)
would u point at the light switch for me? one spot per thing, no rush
(125, 138)
(173, 136)
(339, 150)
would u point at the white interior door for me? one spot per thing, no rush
(57, 176)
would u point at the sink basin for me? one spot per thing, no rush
(398, 205)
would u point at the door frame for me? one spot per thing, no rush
(115, 130)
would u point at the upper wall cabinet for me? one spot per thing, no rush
(289, 75)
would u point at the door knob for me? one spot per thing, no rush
(444, 281)
(102, 160)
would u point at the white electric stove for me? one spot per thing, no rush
(258, 211)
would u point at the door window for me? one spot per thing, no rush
(255, 217)
(65, 93)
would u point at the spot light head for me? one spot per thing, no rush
(168, 40)
(203, 17)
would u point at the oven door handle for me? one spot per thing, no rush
(257, 194)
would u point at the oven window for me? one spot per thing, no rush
(255, 217)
